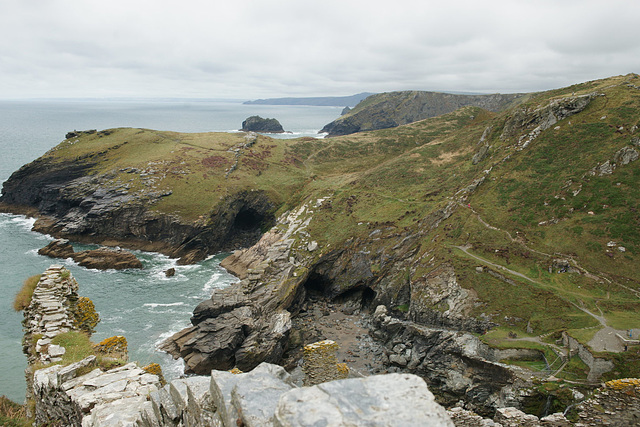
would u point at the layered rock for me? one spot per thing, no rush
(50, 313)
(103, 258)
(455, 363)
(117, 397)
(71, 203)
(540, 119)
(248, 323)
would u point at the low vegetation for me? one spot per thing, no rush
(23, 297)
(12, 414)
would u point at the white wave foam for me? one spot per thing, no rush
(154, 305)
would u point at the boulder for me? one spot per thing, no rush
(382, 400)
(59, 248)
(105, 258)
(258, 124)
(626, 155)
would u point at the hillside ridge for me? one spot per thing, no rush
(391, 109)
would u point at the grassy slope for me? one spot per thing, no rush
(395, 177)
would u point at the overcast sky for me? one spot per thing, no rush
(271, 48)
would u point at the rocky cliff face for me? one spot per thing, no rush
(393, 109)
(73, 203)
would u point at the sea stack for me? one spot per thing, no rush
(258, 124)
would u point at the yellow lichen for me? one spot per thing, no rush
(236, 371)
(86, 316)
(623, 383)
(114, 346)
(155, 369)
(343, 369)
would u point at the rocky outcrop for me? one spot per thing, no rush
(542, 118)
(615, 404)
(117, 397)
(102, 258)
(249, 322)
(107, 258)
(52, 311)
(72, 203)
(393, 109)
(455, 363)
(258, 124)
(266, 396)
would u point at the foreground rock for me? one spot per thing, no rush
(258, 124)
(102, 258)
(117, 397)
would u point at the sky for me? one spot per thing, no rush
(274, 48)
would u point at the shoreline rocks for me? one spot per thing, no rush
(103, 258)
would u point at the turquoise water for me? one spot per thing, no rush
(143, 305)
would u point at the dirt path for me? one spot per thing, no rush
(604, 340)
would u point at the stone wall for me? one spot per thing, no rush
(597, 366)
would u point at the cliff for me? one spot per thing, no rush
(386, 110)
(509, 227)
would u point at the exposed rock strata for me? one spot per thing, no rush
(70, 202)
(542, 118)
(50, 313)
(117, 397)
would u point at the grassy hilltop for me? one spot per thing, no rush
(521, 191)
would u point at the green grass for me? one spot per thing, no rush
(575, 370)
(391, 181)
(77, 345)
(583, 335)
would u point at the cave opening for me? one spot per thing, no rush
(360, 297)
(248, 219)
(316, 285)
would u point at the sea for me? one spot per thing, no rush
(143, 305)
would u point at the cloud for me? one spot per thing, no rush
(248, 49)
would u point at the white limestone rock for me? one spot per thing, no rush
(383, 400)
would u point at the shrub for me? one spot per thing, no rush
(24, 295)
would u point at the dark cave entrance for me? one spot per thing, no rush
(360, 297)
(248, 219)
(248, 226)
(318, 287)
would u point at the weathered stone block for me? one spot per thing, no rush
(384, 400)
